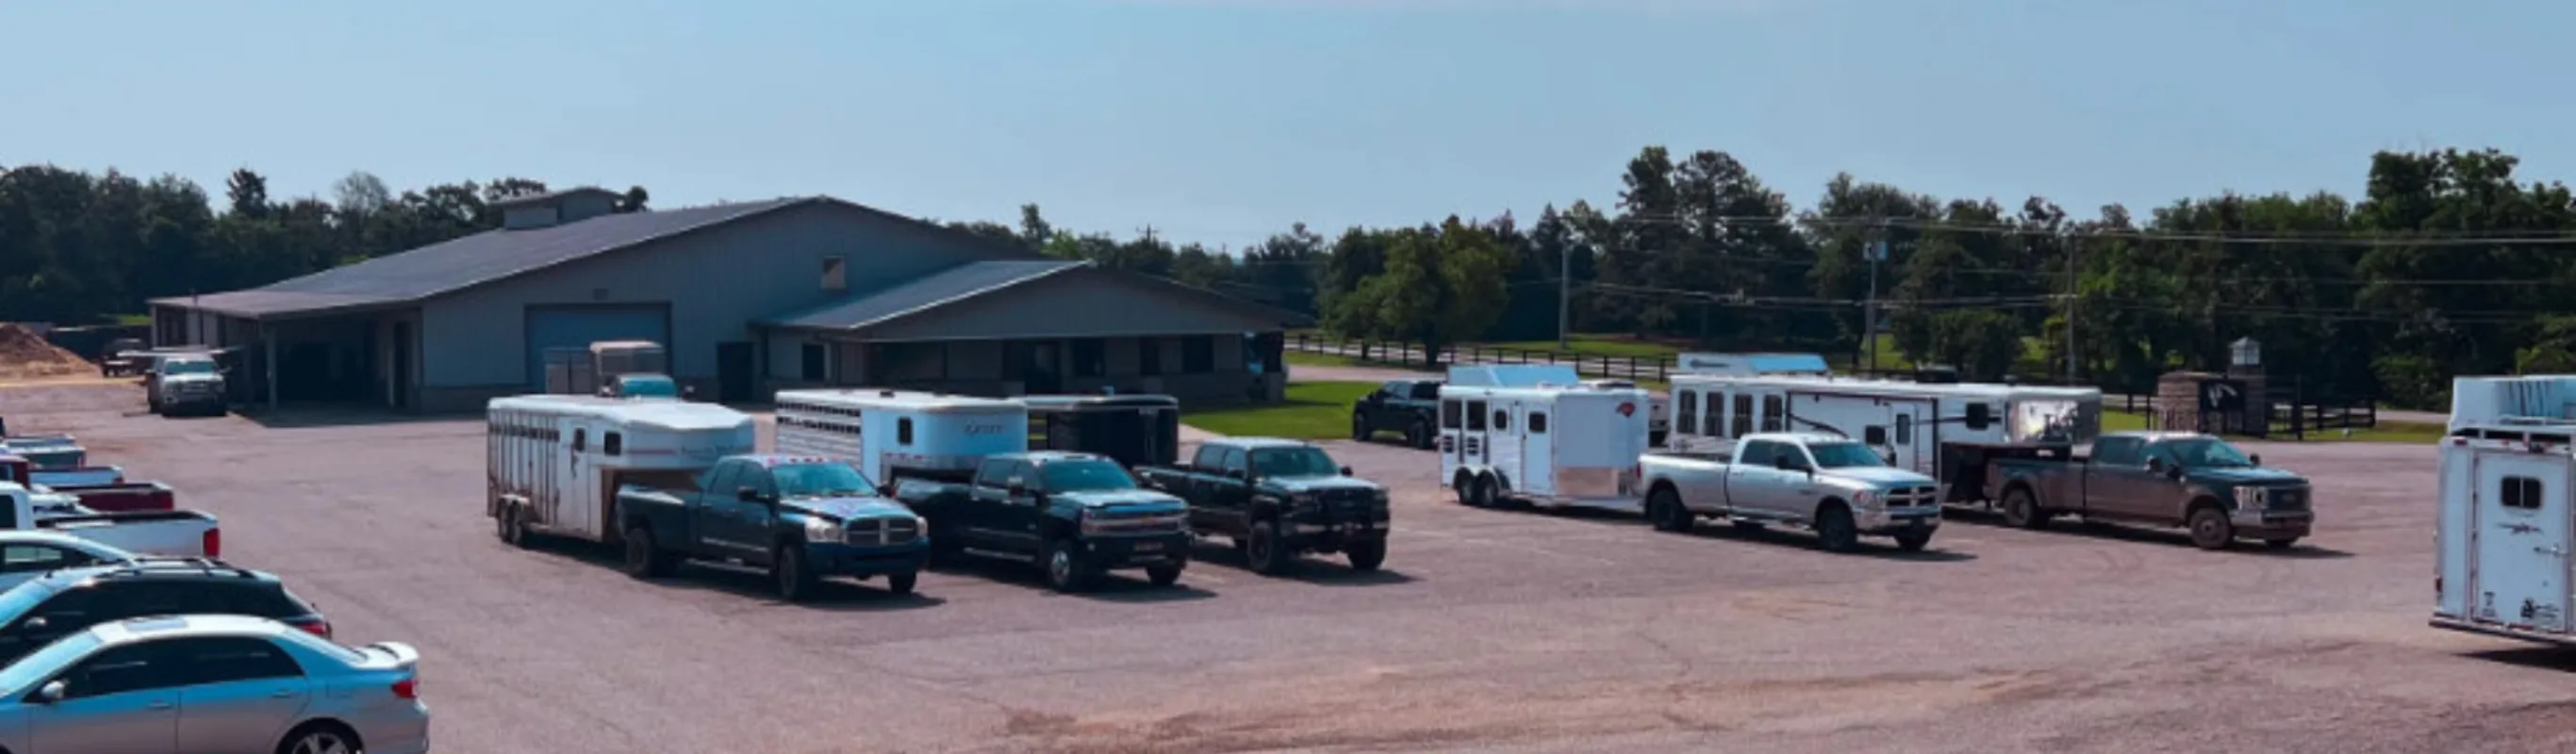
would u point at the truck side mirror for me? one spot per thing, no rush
(2155, 464)
(1346, 471)
(2256, 459)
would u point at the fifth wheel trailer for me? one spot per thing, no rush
(2505, 525)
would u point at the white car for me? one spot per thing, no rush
(25, 555)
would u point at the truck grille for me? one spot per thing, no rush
(1907, 497)
(1098, 522)
(2286, 499)
(881, 531)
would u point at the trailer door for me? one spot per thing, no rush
(1453, 441)
(1530, 423)
(2521, 539)
(1910, 435)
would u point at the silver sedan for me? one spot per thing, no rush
(202, 684)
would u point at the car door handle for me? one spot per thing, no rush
(157, 706)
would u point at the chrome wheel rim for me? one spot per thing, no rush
(1060, 567)
(1259, 551)
(321, 743)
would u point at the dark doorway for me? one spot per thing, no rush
(1039, 375)
(734, 363)
(401, 376)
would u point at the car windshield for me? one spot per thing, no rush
(188, 367)
(34, 667)
(820, 480)
(648, 387)
(24, 597)
(1844, 455)
(2206, 453)
(1080, 476)
(1293, 462)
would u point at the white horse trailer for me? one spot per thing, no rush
(554, 462)
(897, 434)
(2506, 525)
(1911, 423)
(1538, 433)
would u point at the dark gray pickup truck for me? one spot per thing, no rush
(1279, 498)
(2194, 481)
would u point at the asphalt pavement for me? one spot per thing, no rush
(1489, 630)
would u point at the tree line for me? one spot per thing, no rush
(2446, 264)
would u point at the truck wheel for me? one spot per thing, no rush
(1164, 575)
(902, 583)
(1664, 508)
(1262, 551)
(1366, 555)
(795, 581)
(1066, 570)
(2022, 511)
(1419, 435)
(2210, 529)
(2282, 543)
(1359, 427)
(1835, 530)
(1913, 541)
(644, 560)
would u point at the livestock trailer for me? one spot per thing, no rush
(897, 434)
(554, 462)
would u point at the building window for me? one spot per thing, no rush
(836, 274)
(903, 431)
(1538, 422)
(1198, 355)
(1090, 357)
(580, 440)
(1743, 414)
(612, 443)
(813, 357)
(1774, 415)
(1149, 356)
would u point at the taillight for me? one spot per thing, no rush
(408, 688)
(212, 543)
(321, 628)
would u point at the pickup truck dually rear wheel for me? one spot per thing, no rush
(1664, 508)
(2021, 510)
(1835, 530)
(795, 581)
(2210, 529)
(1262, 550)
(644, 559)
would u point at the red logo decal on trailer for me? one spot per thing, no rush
(1627, 409)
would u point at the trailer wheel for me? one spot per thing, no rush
(1486, 494)
(2020, 510)
(1835, 530)
(2210, 529)
(514, 524)
(1664, 508)
(1465, 485)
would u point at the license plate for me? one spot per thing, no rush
(1149, 547)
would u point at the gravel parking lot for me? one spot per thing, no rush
(1513, 631)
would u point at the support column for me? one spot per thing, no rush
(268, 364)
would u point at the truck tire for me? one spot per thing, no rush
(1366, 555)
(2210, 529)
(1913, 541)
(1418, 434)
(902, 583)
(644, 559)
(2022, 511)
(1359, 427)
(1164, 575)
(1835, 530)
(1066, 570)
(1263, 552)
(1664, 508)
(795, 581)
(2281, 543)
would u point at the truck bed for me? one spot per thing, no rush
(122, 497)
(171, 533)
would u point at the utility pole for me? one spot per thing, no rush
(1149, 233)
(1564, 293)
(2072, 298)
(1876, 252)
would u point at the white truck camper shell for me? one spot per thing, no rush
(894, 434)
(559, 459)
(1909, 422)
(2505, 527)
(1540, 433)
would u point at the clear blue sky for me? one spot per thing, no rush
(1225, 120)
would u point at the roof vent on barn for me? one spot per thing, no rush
(552, 208)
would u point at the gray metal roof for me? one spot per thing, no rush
(465, 262)
(945, 287)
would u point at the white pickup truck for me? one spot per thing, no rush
(173, 533)
(1839, 487)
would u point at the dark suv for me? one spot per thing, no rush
(1408, 406)
(73, 599)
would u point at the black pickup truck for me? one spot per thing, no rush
(1277, 499)
(1408, 406)
(2194, 481)
(1076, 515)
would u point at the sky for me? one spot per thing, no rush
(1223, 121)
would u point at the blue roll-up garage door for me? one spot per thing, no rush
(580, 326)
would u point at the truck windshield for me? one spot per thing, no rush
(1844, 455)
(653, 386)
(820, 480)
(188, 367)
(1293, 462)
(1079, 476)
(2206, 453)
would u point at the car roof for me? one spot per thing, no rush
(774, 460)
(156, 568)
(1043, 457)
(1255, 443)
(165, 626)
(39, 536)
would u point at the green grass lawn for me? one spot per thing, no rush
(1313, 411)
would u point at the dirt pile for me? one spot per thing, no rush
(24, 354)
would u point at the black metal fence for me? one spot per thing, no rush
(1394, 353)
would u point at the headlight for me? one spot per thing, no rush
(1864, 498)
(820, 530)
(2249, 498)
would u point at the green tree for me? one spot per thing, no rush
(1441, 286)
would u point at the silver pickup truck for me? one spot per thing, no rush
(1840, 488)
